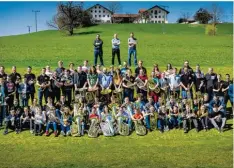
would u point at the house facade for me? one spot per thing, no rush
(100, 14)
(156, 14)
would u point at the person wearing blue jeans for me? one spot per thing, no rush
(98, 50)
(53, 119)
(66, 121)
(132, 41)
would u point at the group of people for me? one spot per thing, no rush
(132, 51)
(112, 101)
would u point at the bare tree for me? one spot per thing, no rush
(144, 16)
(114, 7)
(185, 16)
(70, 15)
(216, 13)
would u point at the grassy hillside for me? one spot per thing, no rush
(179, 43)
(171, 149)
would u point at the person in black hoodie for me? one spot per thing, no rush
(98, 50)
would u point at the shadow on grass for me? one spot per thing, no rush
(86, 33)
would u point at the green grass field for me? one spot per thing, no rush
(171, 149)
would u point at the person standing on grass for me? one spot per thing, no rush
(31, 80)
(132, 42)
(98, 50)
(60, 68)
(115, 49)
(43, 81)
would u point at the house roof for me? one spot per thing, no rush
(125, 15)
(142, 10)
(159, 8)
(98, 5)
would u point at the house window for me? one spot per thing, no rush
(95, 15)
(99, 15)
(155, 12)
(162, 21)
(99, 7)
(159, 21)
(152, 11)
(103, 15)
(159, 16)
(103, 11)
(107, 15)
(91, 11)
(99, 11)
(159, 11)
(95, 7)
(95, 11)
(155, 16)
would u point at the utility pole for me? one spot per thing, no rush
(29, 28)
(163, 25)
(36, 11)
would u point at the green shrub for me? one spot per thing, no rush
(211, 29)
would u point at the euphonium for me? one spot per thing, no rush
(140, 128)
(94, 128)
(152, 85)
(123, 127)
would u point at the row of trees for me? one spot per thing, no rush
(203, 15)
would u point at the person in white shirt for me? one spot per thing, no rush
(132, 42)
(174, 83)
(85, 67)
(115, 49)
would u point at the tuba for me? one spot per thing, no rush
(123, 127)
(140, 128)
(140, 83)
(89, 97)
(118, 95)
(152, 85)
(94, 129)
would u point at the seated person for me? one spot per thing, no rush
(217, 113)
(52, 120)
(12, 122)
(65, 122)
(39, 120)
(26, 120)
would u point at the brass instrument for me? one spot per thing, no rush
(105, 91)
(140, 84)
(118, 95)
(123, 127)
(129, 83)
(152, 85)
(56, 83)
(94, 128)
(90, 96)
(140, 128)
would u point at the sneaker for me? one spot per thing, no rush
(69, 133)
(161, 131)
(17, 131)
(55, 134)
(36, 134)
(63, 133)
(31, 131)
(221, 130)
(76, 135)
(185, 131)
(5, 132)
(47, 133)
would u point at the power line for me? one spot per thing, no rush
(36, 11)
